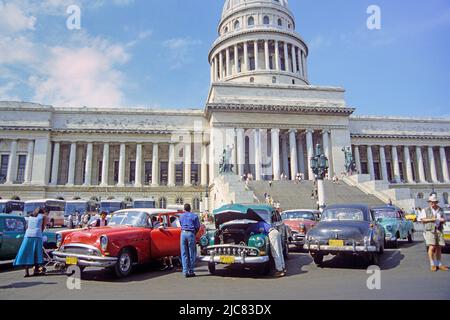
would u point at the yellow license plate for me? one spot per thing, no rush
(227, 259)
(336, 243)
(447, 236)
(72, 261)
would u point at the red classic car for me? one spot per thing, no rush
(300, 221)
(133, 236)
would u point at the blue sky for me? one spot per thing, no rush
(154, 53)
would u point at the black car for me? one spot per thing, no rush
(346, 230)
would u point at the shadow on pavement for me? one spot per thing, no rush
(19, 285)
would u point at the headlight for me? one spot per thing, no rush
(204, 241)
(259, 242)
(58, 240)
(104, 243)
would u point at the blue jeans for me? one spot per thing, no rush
(188, 252)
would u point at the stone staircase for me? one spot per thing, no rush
(298, 196)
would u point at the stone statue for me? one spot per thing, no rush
(350, 165)
(225, 166)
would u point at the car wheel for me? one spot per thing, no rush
(318, 259)
(411, 236)
(124, 264)
(211, 267)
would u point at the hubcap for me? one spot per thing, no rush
(124, 263)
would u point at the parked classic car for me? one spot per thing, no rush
(300, 221)
(12, 232)
(131, 238)
(447, 229)
(395, 225)
(231, 243)
(346, 229)
(412, 216)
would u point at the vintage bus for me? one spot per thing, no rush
(55, 209)
(80, 207)
(12, 207)
(111, 206)
(144, 204)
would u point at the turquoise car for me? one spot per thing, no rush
(12, 232)
(395, 225)
(233, 244)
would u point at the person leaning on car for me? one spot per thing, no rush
(433, 220)
(276, 247)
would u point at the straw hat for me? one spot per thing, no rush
(433, 198)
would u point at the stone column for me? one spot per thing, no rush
(29, 163)
(266, 54)
(204, 166)
(246, 66)
(284, 155)
(384, 172)
(293, 151)
(294, 59)
(305, 67)
(55, 164)
(240, 150)
(221, 65)
(105, 166)
(138, 167)
(122, 159)
(444, 165)
(409, 172)
(286, 57)
(310, 152)
(276, 154)
(258, 168)
(171, 174)
(420, 165)
(397, 177)
(358, 160)
(432, 165)
(236, 59)
(11, 174)
(370, 165)
(187, 161)
(216, 68)
(277, 56)
(88, 168)
(155, 165)
(41, 161)
(227, 62)
(301, 156)
(72, 164)
(327, 151)
(256, 51)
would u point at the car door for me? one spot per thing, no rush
(165, 240)
(13, 234)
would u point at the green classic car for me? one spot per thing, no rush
(232, 242)
(12, 232)
(395, 225)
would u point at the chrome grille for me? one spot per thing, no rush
(81, 250)
(236, 251)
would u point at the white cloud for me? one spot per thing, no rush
(179, 50)
(16, 50)
(13, 19)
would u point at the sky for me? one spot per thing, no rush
(152, 53)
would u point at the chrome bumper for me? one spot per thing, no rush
(238, 260)
(316, 247)
(86, 260)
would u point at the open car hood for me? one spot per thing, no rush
(233, 212)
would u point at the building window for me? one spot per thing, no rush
(280, 22)
(148, 172)
(164, 171)
(251, 21)
(179, 201)
(266, 20)
(100, 171)
(237, 25)
(225, 30)
(162, 203)
(179, 176)
(116, 171)
(132, 178)
(252, 80)
(21, 168)
(196, 204)
(293, 81)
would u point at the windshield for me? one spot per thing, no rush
(385, 213)
(150, 204)
(264, 214)
(343, 214)
(110, 207)
(30, 207)
(71, 208)
(129, 218)
(307, 215)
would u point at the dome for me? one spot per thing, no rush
(232, 5)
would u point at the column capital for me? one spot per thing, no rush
(326, 131)
(275, 130)
(293, 130)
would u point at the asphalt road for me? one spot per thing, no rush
(404, 275)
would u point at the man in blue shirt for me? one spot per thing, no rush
(190, 225)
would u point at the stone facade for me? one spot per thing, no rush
(260, 105)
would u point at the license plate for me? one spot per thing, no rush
(336, 243)
(72, 261)
(227, 259)
(447, 236)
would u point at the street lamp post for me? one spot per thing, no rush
(319, 165)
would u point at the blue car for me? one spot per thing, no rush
(395, 225)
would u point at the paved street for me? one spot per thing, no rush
(405, 275)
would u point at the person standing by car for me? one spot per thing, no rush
(190, 225)
(433, 220)
(31, 251)
(100, 222)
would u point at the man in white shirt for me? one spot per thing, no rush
(433, 220)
